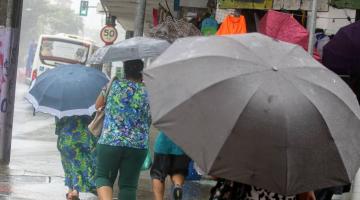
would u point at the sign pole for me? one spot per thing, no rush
(312, 27)
(140, 18)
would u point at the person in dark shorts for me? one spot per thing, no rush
(169, 160)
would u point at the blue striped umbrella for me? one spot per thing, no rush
(67, 90)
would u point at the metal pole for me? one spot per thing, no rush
(312, 27)
(13, 22)
(140, 18)
(3, 12)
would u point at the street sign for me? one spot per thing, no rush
(108, 34)
(84, 7)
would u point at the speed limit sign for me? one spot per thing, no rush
(108, 34)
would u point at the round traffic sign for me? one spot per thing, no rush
(108, 34)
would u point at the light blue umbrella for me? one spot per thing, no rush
(67, 90)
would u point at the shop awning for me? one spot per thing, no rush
(125, 11)
(323, 5)
(351, 4)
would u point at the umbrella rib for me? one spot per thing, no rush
(290, 53)
(44, 91)
(300, 91)
(331, 92)
(203, 57)
(281, 25)
(241, 113)
(212, 85)
(286, 145)
(254, 53)
(62, 102)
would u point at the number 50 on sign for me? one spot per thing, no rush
(108, 34)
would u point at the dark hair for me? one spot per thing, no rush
(133, 69)
(319, 30)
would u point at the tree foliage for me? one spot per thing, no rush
(43, 17)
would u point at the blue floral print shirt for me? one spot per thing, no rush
(127, 116)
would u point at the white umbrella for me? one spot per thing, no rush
(130, 49)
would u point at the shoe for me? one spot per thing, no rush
(71, 197)
(178, 192)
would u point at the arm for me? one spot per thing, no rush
(100, 101)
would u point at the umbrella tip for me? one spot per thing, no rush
(275, 69)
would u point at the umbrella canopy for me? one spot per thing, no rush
(130, 49)
(67, 90)
(258, 111)
(172, 29)
(284, 27)
(342, 53)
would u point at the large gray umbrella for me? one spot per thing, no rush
(258, 111)
(67, 90)
(130, 49)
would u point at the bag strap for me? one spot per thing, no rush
(109, 87)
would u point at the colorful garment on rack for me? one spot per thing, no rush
(233, 25)
(209, 26)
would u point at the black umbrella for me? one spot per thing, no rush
(342, 53)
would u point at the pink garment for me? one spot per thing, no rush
(284, 27)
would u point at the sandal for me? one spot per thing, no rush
(67, 196)
(72, 197)
(178, 193)
(75, 198)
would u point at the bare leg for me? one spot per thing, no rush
(105, 193)
(178, 179)
(158, 189)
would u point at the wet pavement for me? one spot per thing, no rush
(35, 171)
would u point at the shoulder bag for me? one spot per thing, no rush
(96, 125)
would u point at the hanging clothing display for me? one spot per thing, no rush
(321, 41)
(284, 27)
(209, 26)
(232, 25)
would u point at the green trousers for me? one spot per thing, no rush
(112, 160)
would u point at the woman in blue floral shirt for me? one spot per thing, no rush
(123, 144)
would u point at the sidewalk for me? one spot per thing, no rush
(35, 173)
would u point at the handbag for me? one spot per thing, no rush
(147, 162)
(96, 125)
